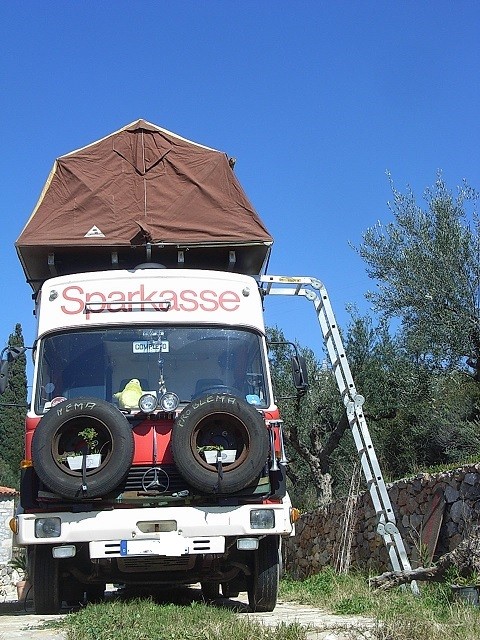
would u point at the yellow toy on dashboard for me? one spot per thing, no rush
(131, 394)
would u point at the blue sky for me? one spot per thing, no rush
(316, 100)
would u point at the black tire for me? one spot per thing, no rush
(72, 591)
(220, 419)
(46, 581)
(210, 590)
(262, 584)
(57, 433)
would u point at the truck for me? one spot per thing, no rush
(154, 448)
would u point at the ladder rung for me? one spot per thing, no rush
(328, 334)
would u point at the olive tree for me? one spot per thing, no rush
(426, 264)
(418, 415)
(313, 425)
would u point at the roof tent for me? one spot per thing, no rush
(142, 194)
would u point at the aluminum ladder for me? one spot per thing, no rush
(314, 290)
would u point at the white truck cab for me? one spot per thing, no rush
(154, 448)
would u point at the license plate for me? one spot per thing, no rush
(166, 546)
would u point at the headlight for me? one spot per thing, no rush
(48, 527)
(169, 401)
(262, 519)
(148, 403)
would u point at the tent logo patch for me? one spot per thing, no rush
(94, 233)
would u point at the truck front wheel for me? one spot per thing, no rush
(46, 581)
(262, 584)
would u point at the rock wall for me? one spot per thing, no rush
(346, 530)
(6, 513)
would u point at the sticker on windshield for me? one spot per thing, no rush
(144, 346)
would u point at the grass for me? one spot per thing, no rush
(143, 619)
(398, 615)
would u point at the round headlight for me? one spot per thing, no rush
(169, 401)
(148, 403)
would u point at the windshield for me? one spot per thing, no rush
(189, 361)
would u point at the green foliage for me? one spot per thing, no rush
(422, 401)
(311, 424)
(19, 562)
(9, 476)
(418, 415)
(90, 436)
(427, 267)
(13, 410)
(311, 589)
(353, 605)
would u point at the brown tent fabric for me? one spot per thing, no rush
(142, 193)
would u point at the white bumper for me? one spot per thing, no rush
(119, 532)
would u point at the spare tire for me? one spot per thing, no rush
(222, 421)
(57, 434)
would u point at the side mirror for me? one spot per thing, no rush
(300, 374)
(12, 354)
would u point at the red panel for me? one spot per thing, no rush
(30, 424)
(144, 435)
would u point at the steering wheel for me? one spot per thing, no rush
(218, 388)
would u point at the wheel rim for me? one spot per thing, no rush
(225, 430)
(66, 440)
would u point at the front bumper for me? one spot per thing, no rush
(190, 530)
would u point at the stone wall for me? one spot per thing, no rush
(8, 575)
(320, 538)
(7, 505)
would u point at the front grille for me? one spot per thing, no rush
(155, 563)
(168, 479)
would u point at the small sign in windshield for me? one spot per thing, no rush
(144, 346)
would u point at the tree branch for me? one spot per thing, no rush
(465, 557)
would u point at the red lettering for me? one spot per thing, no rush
(120, 299)
(91, 306)
(67, 297)
(206, 298)
(229, 298)
(172, 296)
(189, 299)
(131, 296)
(146, 298)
